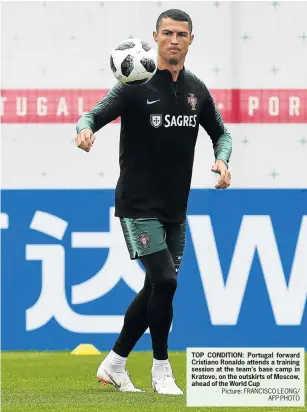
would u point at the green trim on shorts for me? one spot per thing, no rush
(143, 236)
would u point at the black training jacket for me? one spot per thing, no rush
(159, 126)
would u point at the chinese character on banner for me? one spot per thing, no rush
(52, 301)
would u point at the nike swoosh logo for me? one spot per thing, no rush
(155, 101)
(112, 380)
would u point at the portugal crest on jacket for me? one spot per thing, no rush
(192, 100)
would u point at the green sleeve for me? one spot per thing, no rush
(211, 121)
(104, 112)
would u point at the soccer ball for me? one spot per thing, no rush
(133, 62)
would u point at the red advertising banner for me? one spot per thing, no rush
(235, 105)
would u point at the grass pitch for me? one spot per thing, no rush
(59, 381)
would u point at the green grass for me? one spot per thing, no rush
(57, 381)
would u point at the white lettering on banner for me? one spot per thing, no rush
(80, 106)
(52, 301)
(294, 107)
(21, 106)
(114, 268)
(273, 106)
(253, 103)
(4, 221)
(254, 106)
(42, 109)
(48, 224)
(224, 298)
(256, 233)
(2, 100)
(62, 107)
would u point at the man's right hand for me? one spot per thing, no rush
(85, 139)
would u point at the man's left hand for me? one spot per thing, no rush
(225, 176)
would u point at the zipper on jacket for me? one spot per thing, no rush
(175, 92)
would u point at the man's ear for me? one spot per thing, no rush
(192, 38)
(155, 36)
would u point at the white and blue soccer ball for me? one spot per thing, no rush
(133, 62)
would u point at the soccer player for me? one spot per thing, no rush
(159, 126)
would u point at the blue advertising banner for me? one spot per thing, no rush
(67, 277)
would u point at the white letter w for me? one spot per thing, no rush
(256, 233)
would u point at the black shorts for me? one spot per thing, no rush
(149, 235)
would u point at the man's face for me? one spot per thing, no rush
(173, 38)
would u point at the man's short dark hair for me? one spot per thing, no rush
(174, 14)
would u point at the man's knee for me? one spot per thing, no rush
(161, 270)
(171, 283)
(166, 281)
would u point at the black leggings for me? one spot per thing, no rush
(152, 307)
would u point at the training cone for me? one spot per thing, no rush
(85, 349)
